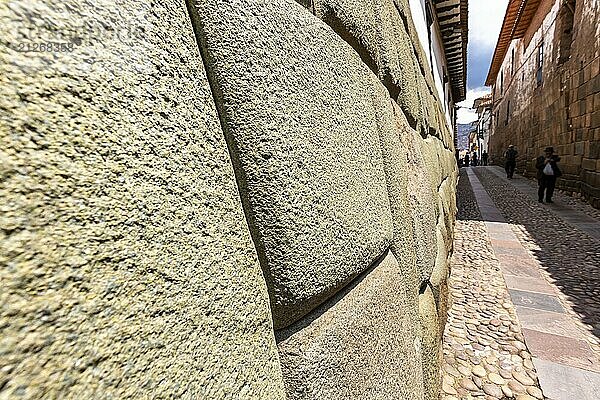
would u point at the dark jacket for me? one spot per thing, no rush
(540, 163)
(510, 155)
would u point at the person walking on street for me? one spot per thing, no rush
(484, 158)
(474, 159)
(510, 156)
(467, 160)
(547, 172)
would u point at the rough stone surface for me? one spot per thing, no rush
(482, 335)
(569, 259)
(393, 128)
(361, 344)
(398, 139)
(403, 8)
(423, 203)
(441, 269)
(141, 192)
(562, 109)
(376, 31)
(431, 343)
(126, 264)
(296, 103)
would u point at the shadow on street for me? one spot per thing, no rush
(570, 256)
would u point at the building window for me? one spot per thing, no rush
(507, 112)
(540, 64)
(512, 62)
(501, 83)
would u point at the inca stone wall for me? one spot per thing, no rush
(128, 270)
(563, 110)
(221, 199)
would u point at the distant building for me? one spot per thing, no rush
(546, 89)
(483, 107)
(463, 131)
(473, 138)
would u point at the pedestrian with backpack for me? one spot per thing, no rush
(547, 173)
(510, 157)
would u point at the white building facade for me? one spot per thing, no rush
(442, 31)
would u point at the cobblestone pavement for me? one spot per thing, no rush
(573, 210)
(484, 352)
(569, 258)
(575, 202)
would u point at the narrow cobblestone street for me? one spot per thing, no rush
(524, 315)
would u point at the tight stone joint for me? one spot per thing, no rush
(284, 333)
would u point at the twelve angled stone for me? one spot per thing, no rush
(295, 101)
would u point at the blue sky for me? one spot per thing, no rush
(485, 21)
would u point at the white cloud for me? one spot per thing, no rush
(466, 115)
(485, 21)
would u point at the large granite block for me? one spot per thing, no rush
(429, 166)
(296, 104)
(378, 33)
(432, 329)
(433, 165)
(430, 98)
(447, 206)
(392, 127)
(363, 343)
(127, 267)
(423, 204)
(446, 158)
(441, 270)
(432, 112)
